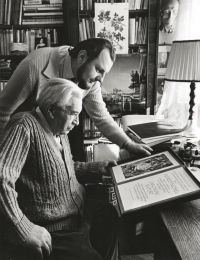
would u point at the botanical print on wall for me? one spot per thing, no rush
(111, 22)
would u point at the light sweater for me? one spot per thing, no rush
(38, 184)
(23, 88)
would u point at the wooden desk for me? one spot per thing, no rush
(183, 225)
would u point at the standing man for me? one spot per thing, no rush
(87, 63)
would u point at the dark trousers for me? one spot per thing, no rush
(95, 238)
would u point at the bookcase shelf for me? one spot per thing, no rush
(132, 13)
(31, 26)
(139, 12)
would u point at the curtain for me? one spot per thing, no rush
(175, 100)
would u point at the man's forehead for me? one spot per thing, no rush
(105, 60)
(76, 105)
(171, 3)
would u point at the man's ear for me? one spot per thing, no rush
(82, 57)
(50, 111)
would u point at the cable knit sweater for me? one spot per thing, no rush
(37, 181)
(24, 86)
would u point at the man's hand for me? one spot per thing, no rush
(40, 241)
(104, 167)
(134, 148)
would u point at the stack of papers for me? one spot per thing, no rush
(153, 133)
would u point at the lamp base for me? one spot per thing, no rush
(191, 130)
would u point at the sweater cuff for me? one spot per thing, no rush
(94, 167)
(21, 231)
(125, 144)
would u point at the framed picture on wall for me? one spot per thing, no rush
(163, 56)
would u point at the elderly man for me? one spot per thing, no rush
(43, 209)
(168, 12)
(87, 63)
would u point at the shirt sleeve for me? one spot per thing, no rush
(96, 108)
(16, 91)
(14, 148)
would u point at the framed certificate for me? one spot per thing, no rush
(153, 182)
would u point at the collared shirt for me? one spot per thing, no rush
(24, 87)
(59, 56)
(48, 128)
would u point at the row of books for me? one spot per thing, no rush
(2, 84)
(5, 71)
(86, 29)
(10, 11)
(42, 14)
(133, 4)
(41, 2)
(143, 66)
(18, 13)
(14, 41)
(88, 151)
(90, 130)
(138, 30)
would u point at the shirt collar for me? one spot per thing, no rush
(67, 70)
(47, 128)
(44, 121)
(52, 69)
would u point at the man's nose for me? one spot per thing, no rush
(169, 14)
(76, 121)
(100, 78)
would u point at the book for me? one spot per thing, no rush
(154, 130)
(43, 14)
(151, 142)
(52, 1)
(131, 30)
(42, 9)
(2, 11)
(43, 17)
(31, 2)
(42, 6)
(153, 183)
(42, 22)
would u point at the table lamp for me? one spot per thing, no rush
(184, 66)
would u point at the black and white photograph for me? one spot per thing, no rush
(40, 43)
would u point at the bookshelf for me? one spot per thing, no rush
(56, 34)
(25, 24)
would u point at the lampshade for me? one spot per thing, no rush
(184, 66)
(184, 62)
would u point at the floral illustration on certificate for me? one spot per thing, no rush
(111, 22)
(148, 165)
(142, 167)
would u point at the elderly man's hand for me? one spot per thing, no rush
(134, 148)
(104, 167)
(40, 241)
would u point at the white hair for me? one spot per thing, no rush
(58, 92)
